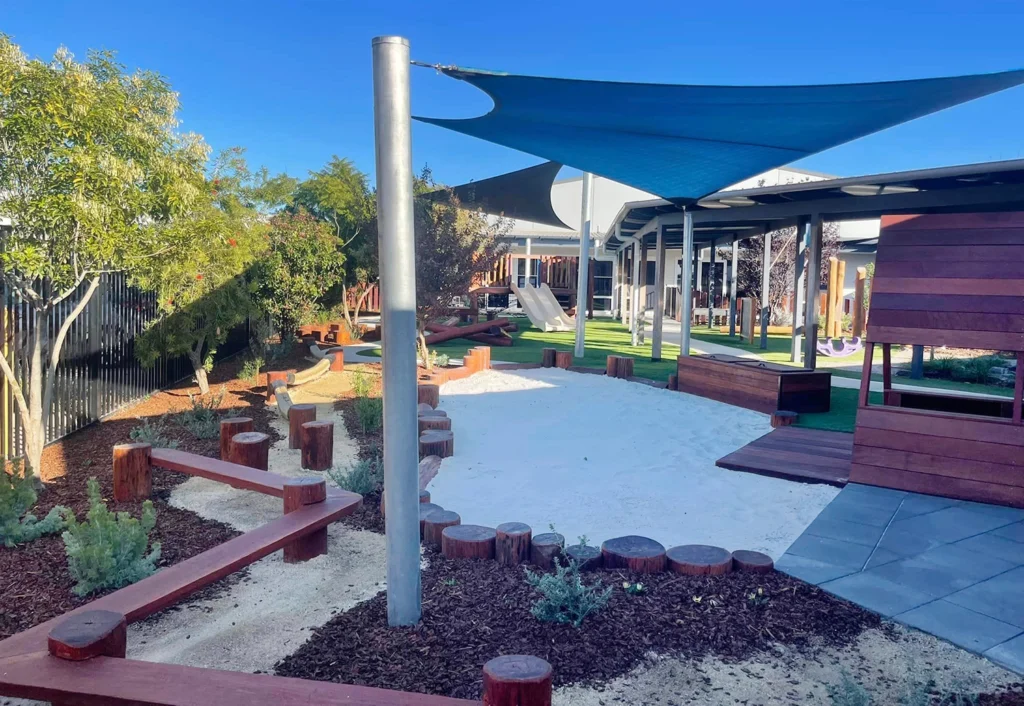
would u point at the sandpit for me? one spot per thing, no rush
(271, 612)
(604, 457)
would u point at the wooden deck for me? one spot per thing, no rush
(794, 453)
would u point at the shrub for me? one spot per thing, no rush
(363, 477)
(370, 413)
(108, 550)
(152, 433)
(361, 384)
(17, 496)
(564, 596)
(282, 348)
(251, 369)
(203, 420)
(439, 360)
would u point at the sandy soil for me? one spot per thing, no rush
(889, 664)
(605, 457)
(269, 614)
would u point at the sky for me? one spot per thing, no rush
(291, 81)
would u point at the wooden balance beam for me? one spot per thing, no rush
(489, 332)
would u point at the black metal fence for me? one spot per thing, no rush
(98, 372)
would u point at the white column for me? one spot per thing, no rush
(799, 287)
(583, 282)
(686, 316)
(393, 137)
(733, 274)
(766, 266)
(634, 310)
(625, 301)
(659, 294)
(529, 260)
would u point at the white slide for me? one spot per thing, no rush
(533, 305)
(552, 303)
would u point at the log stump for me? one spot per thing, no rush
(512, 543)
(517, 680)
(426, 510)
(133, 474)
(430, 412)
(298, 493)
(424, 498)
(317, 442)
(563, 359)
(635, 553)
(429, 394)
(547, 357)
(437, 442)
(228, 428)
(422, 409)
(699, 560)
(624, 367)
(611, 365)
(337, 357)
(754, 562)
(250, 448)
(299, 414)
(435, 524)
(782, 418)
(545, 548)
(483, 355)
(434, 422)
(91, 633)
(673, 381)
(467, 542)
(587, 557)
(272, 377)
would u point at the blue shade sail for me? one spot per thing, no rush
(685, 142)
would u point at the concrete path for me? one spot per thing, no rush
(951, 568)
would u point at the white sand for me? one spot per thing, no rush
(605, 457)
(268, 616)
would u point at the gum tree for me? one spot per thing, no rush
(91, 166)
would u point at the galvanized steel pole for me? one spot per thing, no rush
(393, 134)
(584, 267)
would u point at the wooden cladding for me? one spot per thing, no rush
(950, 280)
(759, 386)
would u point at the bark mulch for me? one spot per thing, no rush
(34, 582)
(476, 610)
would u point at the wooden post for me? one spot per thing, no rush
(250, 448)
(337, 357)
(428, 394)
(468, 542)
(611, 366)
(865, 375)
(437, 442)
(133, 475)
(886, 367)
(545, 548)
(228, 428)
(298, 493)
(299, 414)
(1018, 389)
(272, 377)
(435, 524)
(563, 359)
(840, 284)
(830, 296)
(517, 680)
(547, 357)
(434, 422)
(512, 543)
(858, 302)
(91, 633)
(317, 442)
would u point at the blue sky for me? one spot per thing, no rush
(290, 81)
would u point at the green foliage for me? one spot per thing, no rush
(439, 360)
(361, 384)
(634, 589)
(758, 598)
(849, 692)
(304, 262)
(17, 496)
(108, 550)
(974, 370)
(282, 349)
(153, 433)
(564, 596)
(203, 420)
(251, 369)
(363, 477)
(370, 413)
(868, 281)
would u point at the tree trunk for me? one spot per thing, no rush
(421, 341)
(344, 306)
(359, 305)
(195, 356)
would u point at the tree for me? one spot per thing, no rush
(91, 167)
(304, 261)
(340, 196)
(751, 264)
(453, 246)
(202, 293)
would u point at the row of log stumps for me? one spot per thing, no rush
(477, 359)
(240, 444)
(619, 366)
